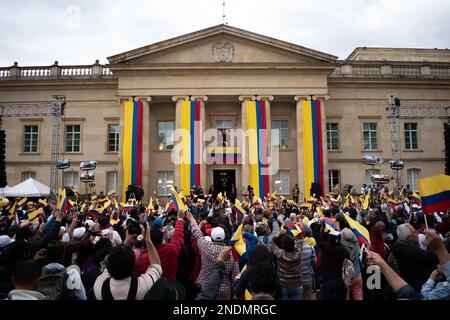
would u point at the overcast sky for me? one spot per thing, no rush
(38, 32)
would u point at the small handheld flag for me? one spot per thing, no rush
(435, 194)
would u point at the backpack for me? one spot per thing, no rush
(347, 272)
(53, 285)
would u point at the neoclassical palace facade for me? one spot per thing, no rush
(223, 70)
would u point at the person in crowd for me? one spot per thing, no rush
(99, 248)
(288, 252)
(261, 254)
(415, 264)
(295, 193)
(209, 250)
(26, 281)
(331, 265)
(349, 241)
(58, 282)
(168, 250)
(117, 281)
(307, 264)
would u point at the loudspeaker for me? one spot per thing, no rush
(3, 181)
(447, 148)
(137, 191)
(316, 189)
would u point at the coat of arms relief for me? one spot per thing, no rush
(223, 52)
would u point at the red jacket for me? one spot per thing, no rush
(168, 254)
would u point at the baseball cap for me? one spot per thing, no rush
(218, 234)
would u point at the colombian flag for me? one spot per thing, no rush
(32, 216)
(237, 241)
(257, 147)
(132, 144)
(238, 210)
(191, 144)
(176, 199)
(294, 229)
(62, 201)
(360, 232)
(331, 224)
(435, 194)
(311, 122)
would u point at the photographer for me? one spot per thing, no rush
(117, 283)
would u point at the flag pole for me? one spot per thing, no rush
(426, 220)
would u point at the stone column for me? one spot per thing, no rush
(146, 183)
(245, 168)
(267, 100)
(177, 173)
(300, 160)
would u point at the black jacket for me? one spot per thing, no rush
(415, 264)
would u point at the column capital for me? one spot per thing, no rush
(300, 98)
(176, 98)
(313, 97)
(203, 98)
(242, 98)
(136, 98)
(259, 98)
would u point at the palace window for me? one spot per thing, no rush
(73, 138)
(413, 175)
(27, 175)
(332, 136)
(111, 181)
(411, 136)
(369, 174)
(165, 182)
(280, 139)
(31, 136)
(166, 133)
(370, 136)
(223, 132)
(70, 179)
(281, 182)
(334, 178)
(113, 138)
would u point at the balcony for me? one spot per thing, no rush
(380, 69)
(56, 72)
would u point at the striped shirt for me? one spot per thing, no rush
(307, 263)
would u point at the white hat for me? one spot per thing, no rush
(218, 234)
(79, 232)
(65, 237)
(4, 241)
(228, 210)
(89, 223)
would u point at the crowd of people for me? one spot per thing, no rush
(373, 246)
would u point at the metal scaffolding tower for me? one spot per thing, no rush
(54, 109)
(395, 112)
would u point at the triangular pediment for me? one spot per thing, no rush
(221, 44)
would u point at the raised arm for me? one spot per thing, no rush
(153, 255)
(177, 241)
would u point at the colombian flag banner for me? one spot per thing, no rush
(258, 147)
(312, 144)
(132, 144)
(191, 144)
(435, 194)
(224, 155)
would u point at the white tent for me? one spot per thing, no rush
(28, 188)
